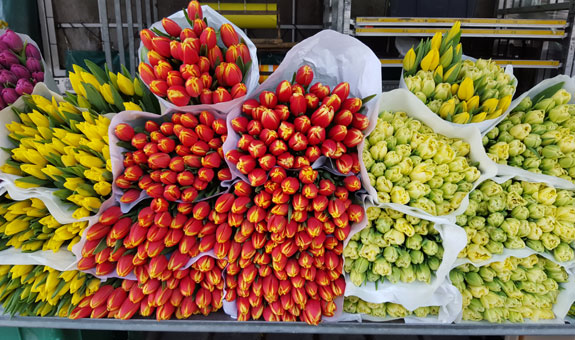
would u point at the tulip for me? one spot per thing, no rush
(20, 71)
(171, 27)
(12, 40)
(304, 75)
(34, 65)
(229, 35)
(8, 58)
(9, 95)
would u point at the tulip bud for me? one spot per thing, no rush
(304, 75)
(229, 35)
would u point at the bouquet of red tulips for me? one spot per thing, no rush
(197, 64)
(175, 159)
(295, 125)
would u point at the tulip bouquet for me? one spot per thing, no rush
(511, 290)
(285, 257)
(195, 64)
(355, 305)
(180, 293)
(29, 290)
(518, 214)
(459, 91)
(538, 136)
(103, 91)
(177, 160)
(128, 244)
(59, 146)
(393, 246)
(29, 226)
(408, 163)
(291, 129)
(20, 68)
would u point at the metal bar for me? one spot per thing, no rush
(139, 16)
(569, 43)
(155, 10)
(293, 3)
(45, 39)
(104, 31)
(92, 25)
(465, 22)
(534, 9)
(221, 323)
(119, 32)
(53, 40)
(534, 64)
(346, 17)
(303, 27)
(148, 13)
(131, 51)
(485, 33)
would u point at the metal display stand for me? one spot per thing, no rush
(220, 323)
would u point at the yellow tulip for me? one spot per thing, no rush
(106, 91)
(473, 103)
(68, 160)
(81, 213)
(63, 234)
(478, 118)
(490, 105)
(438, 74)
(72, 139)
(447, 108)
(93, 286)
(37, 203)
(125, 85)
(103, 188)
(504, 103)
(138, 88)
(455, 29)
(25, 119)
(409, 61)
(33, 170)
(430, 61)
(113, 79)
(73, 242)
(76, 82)
(16, 226)
(73, 183)
(465, 91)
(446, 57)
(89, 161)
(461, 118)
(130, 106)
(494, 114)
(11, 170)
(77, 283)
(90, 79)
(68, 107)
(109, 165)
(436, 41)
(454, 88)
(83, 102)
(76, 199)
(88, 117)
(95, 174)
(32, 246)
(91, 203)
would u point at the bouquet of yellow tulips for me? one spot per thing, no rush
(103, 91)
(29, 226)
(460, 91)
(59, 146)
(30, 290)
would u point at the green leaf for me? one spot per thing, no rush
(95, 98)
(63, 194)
(97, 71)
(127, 73)
(34, 180)
(547, 93)
(101, 246)
(368, 98)
(118, 101)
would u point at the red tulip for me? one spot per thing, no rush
(316, 135)
(341, 90)
(353, 138)
(332, 101)
(286, 160)
(304, 75)
(146, 36)
(344, 164)
(268, 99)
(322, 116)
(312, 101)
(194, 10)
(159, 87)
(208, 38)
(360, 121)
(146, 73)
(221, 95)
(178, 95)
(229, 35)
(162, 46)
(267, 162)
(171, 27)
(215, 57)
(194, 87)
(154, 58)
(302, 124)
(298, 104)
(238, 90)
(319, 90)
(352, 104)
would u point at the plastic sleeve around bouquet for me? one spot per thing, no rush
(401, 100)
(136, 118)
(487, 124)
(565, 298)
(418, 294)
(215, 20)
(334, 58)
(518, 173)
(60, 211)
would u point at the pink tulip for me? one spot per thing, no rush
(34, 65)
(8, 58)
(20, 71)
(9, 95)
(24, 86)
(13, 41)
(32, 52)
(7, 77)
(38, 77)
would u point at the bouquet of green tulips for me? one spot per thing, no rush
(518, 214)
(511, 290)
(538, 136)
(408, 163)
(355, 305)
